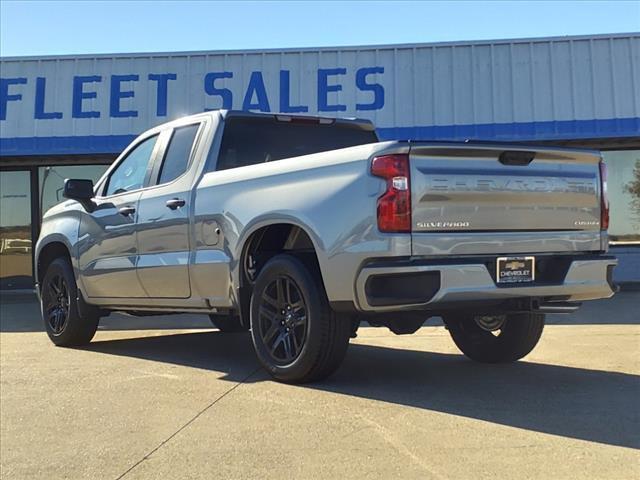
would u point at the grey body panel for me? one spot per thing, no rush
(61, 227)
(188, 259)
(503, 207)
(311, 192)
(499, 243)
(164, 233)
(108, 249)
(163, 244)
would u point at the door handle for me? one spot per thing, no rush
(175, 203)
(126, 211)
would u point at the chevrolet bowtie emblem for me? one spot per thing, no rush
(514, 265)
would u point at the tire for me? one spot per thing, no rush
(308, 341)
(60, 306)
(227, 323)
(516, 336)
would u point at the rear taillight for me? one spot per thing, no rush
(394, 206)
(604, 197)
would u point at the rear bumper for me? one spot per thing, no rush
(395, 287)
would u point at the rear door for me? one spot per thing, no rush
(163, 217)
(480, 199)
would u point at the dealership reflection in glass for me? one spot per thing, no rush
(52, 181)
(15, 230)
(623, 168)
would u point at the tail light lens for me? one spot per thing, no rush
(394, 206)
(604, 197)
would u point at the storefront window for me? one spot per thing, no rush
(15, 230)
(624, 196)
(52, 181)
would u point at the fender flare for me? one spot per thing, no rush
(274, 219)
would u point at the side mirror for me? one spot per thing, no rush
(78, 189)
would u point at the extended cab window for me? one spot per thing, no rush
(247, 141)
(176, 158)
(130, 173)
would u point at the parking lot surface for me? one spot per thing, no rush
(170, 397)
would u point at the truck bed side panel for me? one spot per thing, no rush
(330, 195)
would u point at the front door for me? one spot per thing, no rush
(108, 249)
(163, 217)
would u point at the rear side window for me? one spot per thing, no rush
(247, 141)
(176, 158)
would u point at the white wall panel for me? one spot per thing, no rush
(521, 89)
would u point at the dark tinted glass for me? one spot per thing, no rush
(248, 141)
(176, 159)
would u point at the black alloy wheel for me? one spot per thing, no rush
(56, 300)
(68, 320)
(297, 337)
(283, 319)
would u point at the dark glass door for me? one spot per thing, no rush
(16, 271)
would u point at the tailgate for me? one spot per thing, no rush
(500, 194)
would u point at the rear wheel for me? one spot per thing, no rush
(60, 305)
(227, 323)
(496, 338)
(298, 338)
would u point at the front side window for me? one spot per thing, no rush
(130, 174)
(176, 158)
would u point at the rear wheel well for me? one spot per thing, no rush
(48, 254)
(264, 244)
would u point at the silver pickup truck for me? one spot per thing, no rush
(298, 228)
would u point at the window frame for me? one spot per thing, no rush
(103, 184)
(165, 142)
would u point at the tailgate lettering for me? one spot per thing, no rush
(515, 184)
(443, 224)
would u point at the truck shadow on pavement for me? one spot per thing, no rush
(591, 405)
(22, 314)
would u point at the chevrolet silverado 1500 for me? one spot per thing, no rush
(298, 228)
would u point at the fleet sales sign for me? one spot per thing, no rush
(160, 95)
(97, 104)
(514, 91)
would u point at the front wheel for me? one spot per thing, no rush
(60, 304)
(496, 338)
(297, 336)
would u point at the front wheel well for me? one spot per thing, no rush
(47, 255)
(264, 244)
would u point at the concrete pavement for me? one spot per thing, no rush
(169, 397)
